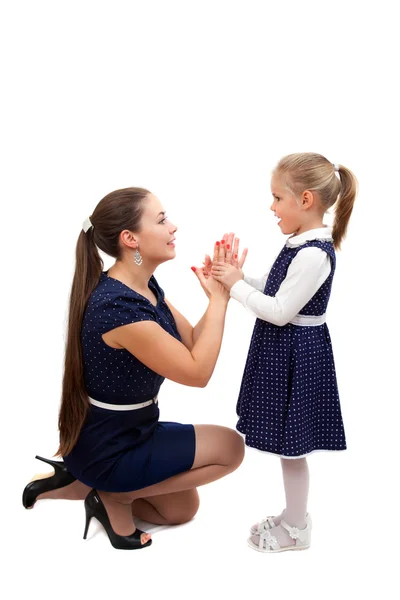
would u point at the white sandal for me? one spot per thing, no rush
(268, 523)
(269, 543)
(264, 525)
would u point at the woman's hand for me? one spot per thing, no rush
(229, 271)
(225, 251)
(210, 285)
(232, 255)
(231, 244)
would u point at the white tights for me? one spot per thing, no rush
(296, 482)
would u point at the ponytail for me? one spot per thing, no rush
(75, 402)
(344, 205)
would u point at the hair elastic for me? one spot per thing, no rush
(336, 167)
(87, 224)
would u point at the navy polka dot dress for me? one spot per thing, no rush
(121, 451)
(288, 402)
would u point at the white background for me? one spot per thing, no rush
(197, 101)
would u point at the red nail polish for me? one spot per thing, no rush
(193, 269)
(217, 243)
(235, 255)
(228, 247)
(222, 241)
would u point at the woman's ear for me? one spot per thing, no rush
(128, 239)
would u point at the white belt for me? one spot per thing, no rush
(122, 406)
(308, 320)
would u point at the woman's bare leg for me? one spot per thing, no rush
(74, 491)
(219, 451)
(167, 509)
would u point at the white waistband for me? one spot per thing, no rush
(122, 406)
(308, 320)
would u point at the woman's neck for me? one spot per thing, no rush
(134, 276)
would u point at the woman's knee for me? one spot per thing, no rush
(216, 444)
(237, 449)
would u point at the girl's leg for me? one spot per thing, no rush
(296, 481)
(219, 451)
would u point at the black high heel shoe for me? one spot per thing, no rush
(60, 479)
(94, 507)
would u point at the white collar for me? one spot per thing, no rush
(322, 233)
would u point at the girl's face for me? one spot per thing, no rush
(286, 208)
(157, 233)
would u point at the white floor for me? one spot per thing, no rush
(352, 552)
(197, 101)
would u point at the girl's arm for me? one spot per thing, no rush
(305, 275)
(257, 283)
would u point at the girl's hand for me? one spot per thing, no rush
(207, 266)
(226, 274)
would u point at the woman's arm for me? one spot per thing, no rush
(165, 355)
(188, 333)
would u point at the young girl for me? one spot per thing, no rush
(288, 402)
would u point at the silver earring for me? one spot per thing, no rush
(138, 258)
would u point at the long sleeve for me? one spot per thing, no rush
(257, 283)
(305, 275)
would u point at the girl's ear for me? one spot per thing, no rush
(307, 199)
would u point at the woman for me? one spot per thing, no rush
(124, 339)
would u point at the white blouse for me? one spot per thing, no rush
(305, 275)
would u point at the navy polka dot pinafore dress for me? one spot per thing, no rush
(288, 402)
(122, 451)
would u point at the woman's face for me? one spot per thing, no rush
(157, 233)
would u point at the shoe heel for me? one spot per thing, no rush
(94, 507)
(61, 478)
(56, 464)
(89, 514)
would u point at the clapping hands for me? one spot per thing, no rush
(225, 266)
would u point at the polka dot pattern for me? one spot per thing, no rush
(120, 451)
(288, 402)
(115, 375)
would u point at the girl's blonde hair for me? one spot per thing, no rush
(310, 171)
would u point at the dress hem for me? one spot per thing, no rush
(292, 457)
(300, 455)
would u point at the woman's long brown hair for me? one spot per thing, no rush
(117, 211)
